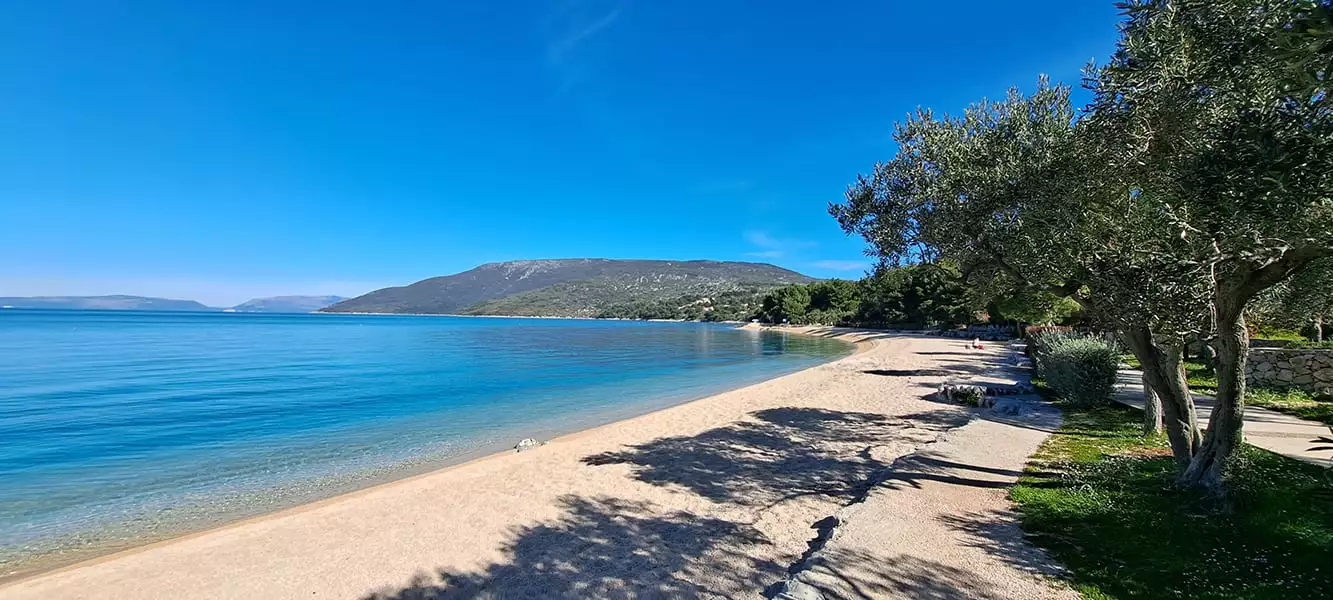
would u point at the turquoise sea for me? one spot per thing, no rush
(121, 427)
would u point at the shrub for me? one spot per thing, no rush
(1082, 369)
(1042, 339)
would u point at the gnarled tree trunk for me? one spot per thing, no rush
(1164, 372)
(1152, 409)
(1224, 424)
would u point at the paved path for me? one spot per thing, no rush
(941, 525)
(938, 523)
(1271, 430)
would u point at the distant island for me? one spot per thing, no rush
(287, 304)
(103, 303)
(697, 290)
(275, 304)
(588, 288)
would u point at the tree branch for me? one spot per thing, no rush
(1066, 289)
(1271, 274)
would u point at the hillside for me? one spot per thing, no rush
(103, 303)
(287, 304)
(585, 287)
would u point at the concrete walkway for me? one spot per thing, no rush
(1273, 431)
(938, 523)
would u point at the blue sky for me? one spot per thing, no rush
(223, 150)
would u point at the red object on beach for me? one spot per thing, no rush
(981, 346)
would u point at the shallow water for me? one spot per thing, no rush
(122, 427)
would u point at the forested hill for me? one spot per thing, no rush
(587, 287)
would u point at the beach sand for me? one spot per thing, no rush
(847, 475)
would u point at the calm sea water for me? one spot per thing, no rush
(118, 427)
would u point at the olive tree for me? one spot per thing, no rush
(1199, 178)
(1229, 150)
(1006, 191)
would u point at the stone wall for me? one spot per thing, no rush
(1309, 370)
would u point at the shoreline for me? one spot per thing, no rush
(543, 317)
(130, 547)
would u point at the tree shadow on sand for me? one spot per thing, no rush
(786, 453)
(616, 549)
(908, 372)
(851, 575)
(602, 547)
(781, 453)
(998, 533)
(610, 548)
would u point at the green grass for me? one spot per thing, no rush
(1198, 374)
(1293, 402)
(1286, 335)
(1201, 377)
(1098, 497)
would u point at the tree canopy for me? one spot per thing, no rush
(922, 295)
(1199, 177)
(1304, 301)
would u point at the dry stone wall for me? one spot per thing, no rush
(1308, 370)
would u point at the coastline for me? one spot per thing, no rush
(111, 550)
(731, 496)
(548, 317)
(851, 476)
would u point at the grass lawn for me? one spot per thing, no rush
(1295, 402)
(1198, 375)
(1097, 496)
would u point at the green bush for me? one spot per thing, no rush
(1041, 340)
(1082, 369)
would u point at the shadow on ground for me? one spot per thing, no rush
(843, 575)
(612, 548)
(908, 372)
(783, 453)
(607, 548)
(997, 532)
(604, 547)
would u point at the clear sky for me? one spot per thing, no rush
(222, 150)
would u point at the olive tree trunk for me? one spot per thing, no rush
(1164, 372)
(1224, 424)
(1152, 409)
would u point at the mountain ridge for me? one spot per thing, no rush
(108, 302)
(584, 287)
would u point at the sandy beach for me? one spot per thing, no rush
(847, 477)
